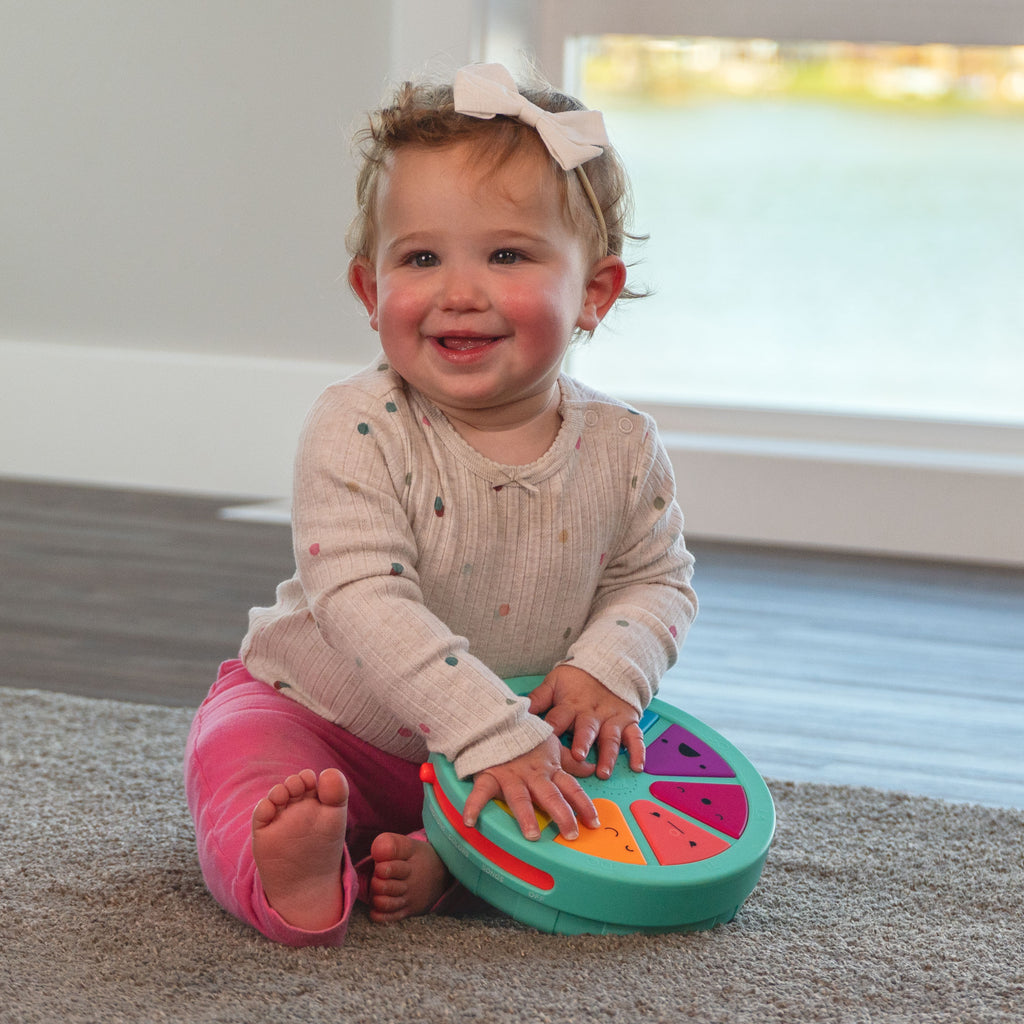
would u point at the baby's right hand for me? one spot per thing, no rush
(535, 779)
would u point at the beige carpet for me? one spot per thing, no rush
(873, 907)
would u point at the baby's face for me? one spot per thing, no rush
(478, 282)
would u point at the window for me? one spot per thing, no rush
(834, 226)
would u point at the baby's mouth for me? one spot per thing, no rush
(464, 344)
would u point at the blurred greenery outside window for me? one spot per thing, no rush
(833, 226)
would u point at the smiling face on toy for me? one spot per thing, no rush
(677, 751)
(614, 840)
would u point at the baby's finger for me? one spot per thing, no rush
(585, 731)
(578, 800)
(608, 746)
(521, 806)
(633, 738)
(560, 718)
(553, 803)
(577, 769)
(485, 788)
(541, 698)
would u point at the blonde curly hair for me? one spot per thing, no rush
(423, 114)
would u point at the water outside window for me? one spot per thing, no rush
(832, 227)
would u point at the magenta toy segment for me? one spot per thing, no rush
(677, 751)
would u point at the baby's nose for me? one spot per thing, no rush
(462, 289)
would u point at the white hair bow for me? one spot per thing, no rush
(571, 136)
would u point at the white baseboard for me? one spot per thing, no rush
(869, 507)
(911, 488)
(228, 426)
(171, 421)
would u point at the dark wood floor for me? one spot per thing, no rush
(133, 596)
(901, 675)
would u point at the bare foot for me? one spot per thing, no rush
(408, 877)
(298, 838)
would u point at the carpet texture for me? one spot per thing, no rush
(873, 907)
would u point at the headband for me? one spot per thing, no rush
(572, 137)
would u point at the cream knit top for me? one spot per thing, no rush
(426, 573)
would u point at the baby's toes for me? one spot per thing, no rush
(264, 812)
(387, 888)
(301, 784)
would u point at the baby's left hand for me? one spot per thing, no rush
(573, 699)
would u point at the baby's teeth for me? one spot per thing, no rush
(463, 344)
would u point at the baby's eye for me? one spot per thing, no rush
(506, 256)
(421, 259)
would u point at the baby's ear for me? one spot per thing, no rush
(362, 277)
(607, 279)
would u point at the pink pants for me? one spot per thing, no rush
(246, 738)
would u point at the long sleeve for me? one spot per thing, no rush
(427, 574)
(644, 604)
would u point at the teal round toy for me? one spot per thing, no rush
(681, 844)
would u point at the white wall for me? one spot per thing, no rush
(175, 173)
